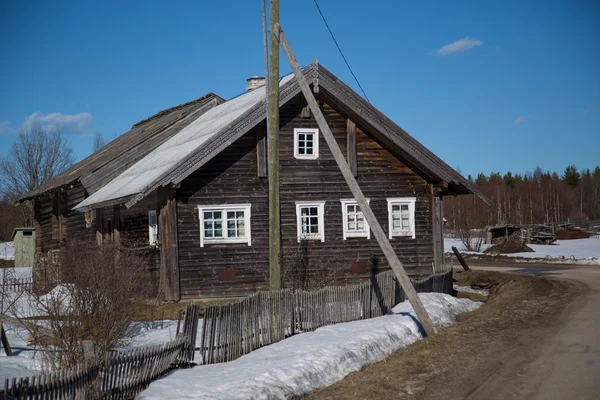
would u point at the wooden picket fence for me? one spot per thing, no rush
(16, 284)
(68, 384)
(122, 375)
(232, 330)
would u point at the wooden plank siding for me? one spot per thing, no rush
(231, 178)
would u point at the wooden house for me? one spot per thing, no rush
(191, 182)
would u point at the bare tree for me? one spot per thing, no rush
(99, 141)
(34, 158)
(102, 289)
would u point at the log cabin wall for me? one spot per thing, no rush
(231, 178)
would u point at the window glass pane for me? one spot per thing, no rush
(301, 136)
(207, 215)
(314, 210)
(218, 224)
(395, 207)
(218, 233)
(217, 214)
(208, 233)
(404, 207)
(309, 150)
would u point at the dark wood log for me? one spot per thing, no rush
(351, 146)
(261, 152)
(4, 340)
(169, 255)
(460, 259)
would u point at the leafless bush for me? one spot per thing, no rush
(102, 289)
(472, 239)
(309, 266)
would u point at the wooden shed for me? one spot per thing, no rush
(24, 239)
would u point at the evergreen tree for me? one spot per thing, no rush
(571, 176)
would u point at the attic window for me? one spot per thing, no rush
(306, 144)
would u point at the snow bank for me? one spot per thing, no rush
(578, 251)
(309, 361)
(7, 250)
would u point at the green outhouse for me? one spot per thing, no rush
(24, 239)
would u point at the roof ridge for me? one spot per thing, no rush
(175, 108)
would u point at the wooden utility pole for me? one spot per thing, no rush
(273, 151)
(382, 239)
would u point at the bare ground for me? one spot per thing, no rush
(499, 338)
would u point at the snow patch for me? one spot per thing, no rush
(308, 361)
(7, 250)
(577, 251)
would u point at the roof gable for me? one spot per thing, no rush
(211, 133)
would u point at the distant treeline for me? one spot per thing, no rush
(532, 198)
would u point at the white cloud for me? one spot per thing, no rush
(460, 46)
(6, 128)
(77, 123)
(520, 120)
(591, 108)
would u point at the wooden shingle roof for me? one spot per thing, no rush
(104, 165)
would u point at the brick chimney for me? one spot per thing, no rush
(254, 82)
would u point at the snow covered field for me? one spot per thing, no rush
(308, 361)
(7, 250)
(579, 251)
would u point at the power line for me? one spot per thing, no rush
(351, 71)
(341, 52)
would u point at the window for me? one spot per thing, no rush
(306, 144)
(310, 221)
(152, 228)
(401, 217)
(354, 221)
(224, 224)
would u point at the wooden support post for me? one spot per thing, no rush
(381, 237)
(99, 220)
(437, 223)
(169, 256)
(273, 143)
(261, 152)
(351, 147)
(116, 233)
(460, 259)
(4, 340)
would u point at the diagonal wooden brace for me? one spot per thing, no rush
(382, 239)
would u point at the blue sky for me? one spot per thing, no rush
(488, 87)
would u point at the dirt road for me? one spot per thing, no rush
(534, 339)
(565, 365)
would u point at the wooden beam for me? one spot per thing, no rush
(351, 146)
(169, 255)
(273, 142)
(381, 237)
(460, 259)
(4, 340)
(261, 151)
(436, 225)
(99, 220)
(116, 233)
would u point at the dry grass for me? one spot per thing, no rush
(519, 310)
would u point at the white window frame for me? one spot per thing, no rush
(411, 201)
(315, 133)
(152, 228)
(224, 208)
(350, 234)
(321, 207)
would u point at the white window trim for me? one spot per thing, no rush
(411, 209)
(152, 229)
(321, 206)
(315, 154)
(224, 208)
(348, 234)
